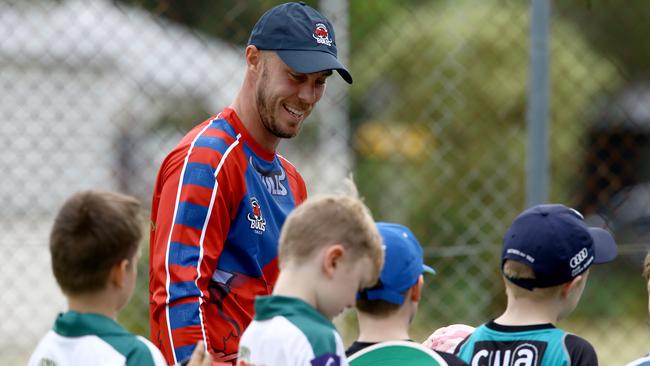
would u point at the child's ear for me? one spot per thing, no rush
(118, 273)
(570, 286)
(332, 259)
(416, 290)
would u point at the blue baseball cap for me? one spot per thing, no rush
(403, 264)
(556, 243)
(301, 36)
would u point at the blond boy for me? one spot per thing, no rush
(94, 247)
(329, 250)
(547, 253)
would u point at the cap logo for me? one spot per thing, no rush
(322, 35)
(521, 254)
(579, 258)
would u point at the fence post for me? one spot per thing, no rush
(537, 180)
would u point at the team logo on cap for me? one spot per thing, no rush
(322, 35)
(258, 223)
(579, 258)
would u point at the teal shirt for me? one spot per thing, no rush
(532, 345)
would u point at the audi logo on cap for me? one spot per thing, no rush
(579, 258)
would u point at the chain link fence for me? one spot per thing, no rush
(96, 92)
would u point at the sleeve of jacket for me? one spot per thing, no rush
(194, 202)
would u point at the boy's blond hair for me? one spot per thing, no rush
(518, 270)
(331, 219)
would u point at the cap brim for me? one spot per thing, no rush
(384, 294)
(308, 62)
(396, 353)
(427, 269)
(604, 245)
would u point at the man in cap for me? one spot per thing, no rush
(222, 195)
(386, 310)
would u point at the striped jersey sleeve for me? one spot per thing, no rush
(195, 197)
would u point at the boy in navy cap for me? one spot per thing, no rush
(223, 193)
(547, 253)
(386, 310)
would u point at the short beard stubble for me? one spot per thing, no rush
(266, 116)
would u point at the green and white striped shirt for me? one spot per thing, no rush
(93, 339)
(287, 331)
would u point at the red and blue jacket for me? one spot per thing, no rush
(219, 202)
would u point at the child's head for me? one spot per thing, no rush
(93, 234)
(336, 236)
(400, 278)
(550, 246)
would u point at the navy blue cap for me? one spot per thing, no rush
(556, 243)
(403, 264)
(301, 36)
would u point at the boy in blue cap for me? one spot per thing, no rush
(386, 310)
(547, 253)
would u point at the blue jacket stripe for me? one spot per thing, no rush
(199, 174)
(192, 215)
(184, 352)
(183, 255)
(184, 315)
(215, 143)
(180, 290)
(222, 124)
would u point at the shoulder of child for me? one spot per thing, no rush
(643, 361)
(580, 351)
(139, 351)
(281, 341)
(451, 359)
